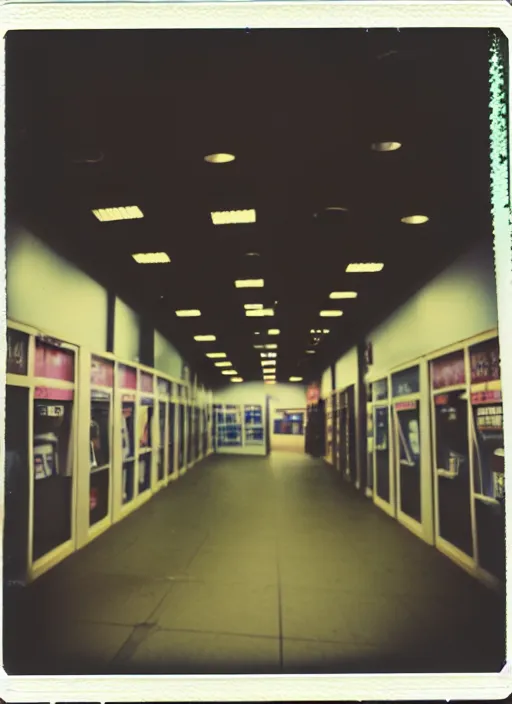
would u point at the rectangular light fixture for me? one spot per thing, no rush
(331, 313)
(223, 364)
(259, 347)
(233, 217)
(270, 373)
(253, 306)
(250, 283)
(188, 313)
(364, 268)
(216, 355)
(271, 346)
(310, 352)
(236, 379)
(335, 295)
(268, 355)
(295, 378)
(263, 313)
(131, 212)
(230, 372)
(274, 331)
(152, 258)
(268, 362)
(205, 338)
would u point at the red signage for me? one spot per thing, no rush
(480, 397)
(485, 362)
(313, 394)
(448, 371)
(441, 399)
(127, 377)
(406, 406)
(102, 372)
(54, 362)
(42, 392)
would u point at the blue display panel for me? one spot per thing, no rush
(406, 382)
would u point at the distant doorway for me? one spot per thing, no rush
(288, 430)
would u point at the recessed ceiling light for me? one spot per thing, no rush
(336, 208)
(216, 355)
(219, 158)
(229, 372)
(343, 294)
(253, 306)
(152, 258)
(132, 212)
(268, 355)
(364, 268)
(310, 352)
(223, 364)
(274, 331)
(188, 313)
(331, 313)
(263, 313)
(233, 217)
(326, 332)
(252, 254)
(296, 378)
(272, 346)
(386, 146)
(259, 347)
(205, 338)
(249, 283)
(236, 380)
(268, 362)
(415, 219)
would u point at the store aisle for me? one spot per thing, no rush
(255, 565)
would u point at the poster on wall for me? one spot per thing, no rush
(144, 417)
(485, 362)
(313, 394)
(52, 436)
(102, 372)
(17, 352)
(100, 433)
(54, 362)
(451, 432)
(127, 430)
(406, 382)
(448, 371)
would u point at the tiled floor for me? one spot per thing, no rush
(254, 565)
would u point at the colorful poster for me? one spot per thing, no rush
(146, 382)
(17, 352)
(102, 372)
(448, 371)
(313, 394)
(380, 390)
(406, 382)
(485, 361)
(127, 377)
(54, 362)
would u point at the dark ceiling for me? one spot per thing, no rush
(300, 110)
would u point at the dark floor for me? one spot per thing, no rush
(255, 565)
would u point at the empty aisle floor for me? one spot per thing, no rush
(254, 566)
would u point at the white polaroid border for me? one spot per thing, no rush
(34, 14)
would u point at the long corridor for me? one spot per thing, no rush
(255, 565)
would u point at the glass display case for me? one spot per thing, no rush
(101, 429)
(162, 420)
(229, 426)
(253, 425)
(172, 430)
(145, 436)
(382, 453)
(181, 436)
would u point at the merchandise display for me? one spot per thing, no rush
(229, 426)
(407, 415)
(382, 454)
(181, 436)
(17, 352)
(172, 430)
(128, 447)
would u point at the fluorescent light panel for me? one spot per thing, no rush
(268, 362)
(268, 355)
(223, 364)
(364, 267)
(229, 372)
(205, 338)
(216, 355)
(233, 217)
(271, 346)
(236, 379)
(219, 158)
(295, 378)
(152, 258)
(253, 306)
(335, 295)
(192, 313)
(249, 283)
(274, 331)
(415, 219)
(331, 313)
(131, 212)
(263, 313)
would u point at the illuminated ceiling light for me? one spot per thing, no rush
(310, 352)
(336, 209)
(236, 379)
(216, 355)
(205, 338)
(263, 313)
(233, 217)
(269, 378)
(268, 363)
(253, 306)
(331, 313)
(326, 332)
(296, 378)
(219, 158)
(249, 283)
(415, 219)
(268, 355)
(252, 254)
(188, 313)
(259, 347)
(152, 258)
(274, 331)
(342, 294)
(132, 212)
(223, 364)
(230, 372)
(272, 346)
(386, 146)
(364, 268)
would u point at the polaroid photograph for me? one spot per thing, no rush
(257, 390)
